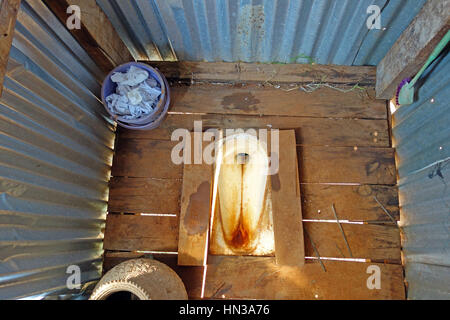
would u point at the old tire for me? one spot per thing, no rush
(146, 279)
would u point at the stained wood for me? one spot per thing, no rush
(142, 195)
(146, 233)
(308, 131)
(326, 134)
(256, 100)
(375, 242)
(258, 72)
(412, 49)
(152, 159)
(8, 16)
(262, 278)
(145, 159)
(140, 233)
(347, 165)
(286, 207)
(355, 203)
(97, 35)
(195, 213)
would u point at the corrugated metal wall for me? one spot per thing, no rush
(422, 138)
(55, 158)
(327, 31)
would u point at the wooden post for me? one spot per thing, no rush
(8, 16)
(413, 47)
(96, 34)
(195, 210)
(286, 204)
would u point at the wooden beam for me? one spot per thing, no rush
(255, 100)
(195, 211)
(308, 131)
(286, 207)
(413, 47)
(8, 16)
(97, 35)
(262, 72)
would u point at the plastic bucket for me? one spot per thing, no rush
(151, 120)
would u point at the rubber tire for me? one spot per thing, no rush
(147, 279)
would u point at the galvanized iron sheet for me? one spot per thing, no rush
(422, 139)
(323, 31)
(55, 159)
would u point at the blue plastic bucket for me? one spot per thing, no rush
(149, 121)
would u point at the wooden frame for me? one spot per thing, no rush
(413, 48)
(97, 35)
(344, 158)
(8, 15)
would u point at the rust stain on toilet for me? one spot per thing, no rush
(241, 239)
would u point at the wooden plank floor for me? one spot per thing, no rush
(345, 158)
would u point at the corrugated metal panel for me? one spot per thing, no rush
(55, 159)
(327, 31)
(422, 140)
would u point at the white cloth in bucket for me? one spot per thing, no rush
(137, 94)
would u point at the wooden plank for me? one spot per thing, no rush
(354, 203)
(255, 100)
(8, 16)
(261, 278)
(145, 159)
(148, 233)
(413, 48)
(375, 242)
(97, 35)
(286, 208)
(195, 213)
(309, 131)
(259, 72)
(140, 233)
(152, 159)
(347, 165)
(270, 281)
(142, 195)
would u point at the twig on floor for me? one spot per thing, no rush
(315, 250)
(342, 230)
(385, 210)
